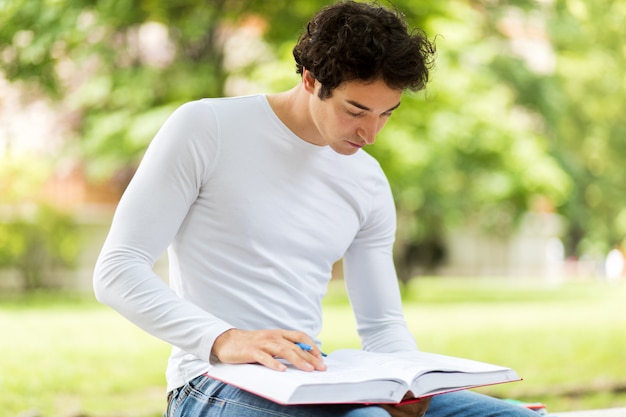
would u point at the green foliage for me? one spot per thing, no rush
(37, 244)
(590, 126)
(36, 239)
(20, 176)
(496, 130)
(579, 107)
(465, 152)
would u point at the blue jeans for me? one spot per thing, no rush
(205, 397)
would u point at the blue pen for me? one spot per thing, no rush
(306, 347)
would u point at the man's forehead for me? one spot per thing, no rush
(360, 87)
(369, 96)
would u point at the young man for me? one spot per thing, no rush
(256, 198)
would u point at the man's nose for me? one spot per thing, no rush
(368, 131)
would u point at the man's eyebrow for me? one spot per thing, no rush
(363, 107)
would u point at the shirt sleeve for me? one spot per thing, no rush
(147, 219)
(371, 279)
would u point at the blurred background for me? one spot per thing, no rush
(508, 173)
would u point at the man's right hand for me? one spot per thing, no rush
(264, 346)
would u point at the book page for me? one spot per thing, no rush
(418, 362)
(359, 376)
(429, 373)
(341, 382)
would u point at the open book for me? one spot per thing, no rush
(356, 376)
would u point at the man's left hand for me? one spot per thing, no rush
(416, 409)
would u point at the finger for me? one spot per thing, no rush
(305, 343)
(313, 358)
(296, 336)
(299, 358)
(299, 350)
(277, 343)
(269, 361)
(310, 354)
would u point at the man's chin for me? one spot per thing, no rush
(346, 150)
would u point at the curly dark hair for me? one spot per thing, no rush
(362, 41)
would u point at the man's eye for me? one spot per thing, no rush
(353, 114)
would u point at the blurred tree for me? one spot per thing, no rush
(36, 239)
(120, 67)
(578, 100)
(467, 152)
(588, 127)
(38, 244)
(525, 97)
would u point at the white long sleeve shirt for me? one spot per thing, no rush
(253, 218)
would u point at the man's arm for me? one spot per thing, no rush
(146, 221)
(371, 278)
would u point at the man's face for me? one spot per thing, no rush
(354, 114)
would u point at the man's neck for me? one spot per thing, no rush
(292, 108)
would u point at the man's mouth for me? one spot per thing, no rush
(355, 145)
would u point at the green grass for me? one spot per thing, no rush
(66, 356)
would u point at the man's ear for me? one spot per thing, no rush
(308, 80)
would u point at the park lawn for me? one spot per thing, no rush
(66, 356)
(67, 359)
